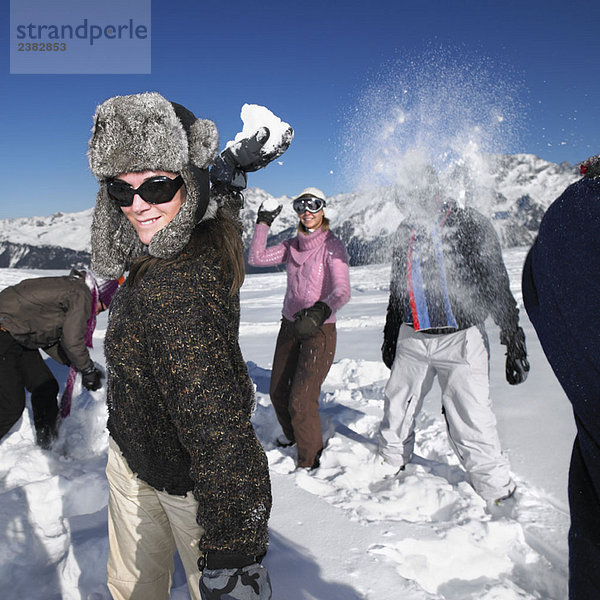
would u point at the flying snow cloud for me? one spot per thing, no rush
(442, 111)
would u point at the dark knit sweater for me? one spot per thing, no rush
(180, 398)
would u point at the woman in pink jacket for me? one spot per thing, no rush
(318, 285)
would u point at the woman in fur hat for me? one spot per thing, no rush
(318, 285)
(186, 471)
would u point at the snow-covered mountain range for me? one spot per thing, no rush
(515, 194)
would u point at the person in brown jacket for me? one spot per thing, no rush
(186, 471)
(57, 315)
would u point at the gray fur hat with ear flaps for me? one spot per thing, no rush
(146, 132)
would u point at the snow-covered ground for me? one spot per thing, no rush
(344, 531)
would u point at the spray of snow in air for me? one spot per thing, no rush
(442, 112)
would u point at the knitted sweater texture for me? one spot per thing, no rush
(316, 265)
(180, 398)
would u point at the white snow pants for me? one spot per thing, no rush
(461, 362)
(145, 528)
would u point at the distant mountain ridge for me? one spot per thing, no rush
(522, 187)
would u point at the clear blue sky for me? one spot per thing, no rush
(309, 62)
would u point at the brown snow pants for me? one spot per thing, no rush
(299, 369)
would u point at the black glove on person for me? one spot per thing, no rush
(308, 320)
(393, 322)
(517, 365)
(267, 216)
(91, 378)
(388, 352)
(245, 156)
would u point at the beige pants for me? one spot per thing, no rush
(145, 528)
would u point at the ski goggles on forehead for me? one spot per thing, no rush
(156, 190)
(310, 204)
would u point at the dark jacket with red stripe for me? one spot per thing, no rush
(477, 281)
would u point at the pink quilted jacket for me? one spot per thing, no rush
(317, 269)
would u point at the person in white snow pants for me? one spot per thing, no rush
(460, 361)
(447, 278)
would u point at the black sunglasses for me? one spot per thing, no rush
(156, 190)
(310, 204)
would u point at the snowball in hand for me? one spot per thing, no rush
(254, 117)
(270, 204)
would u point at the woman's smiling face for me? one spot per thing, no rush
(146, 218)
(312, 220)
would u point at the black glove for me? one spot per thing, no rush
(247, 155)
(393, 321)
(246, 583)
(517, 365)
(308, 320)
(91, 378)
(267, 216)
(388, 352)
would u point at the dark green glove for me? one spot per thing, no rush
(267, 216)
(308, 320)
(517, 365)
